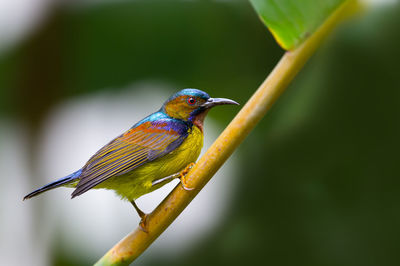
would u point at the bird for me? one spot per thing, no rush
(154, 151)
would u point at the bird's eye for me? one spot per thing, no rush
(191, 100)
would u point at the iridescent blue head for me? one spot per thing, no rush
(192, 105)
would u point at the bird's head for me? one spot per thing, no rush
(192, 105)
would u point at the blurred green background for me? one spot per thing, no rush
(317, 181)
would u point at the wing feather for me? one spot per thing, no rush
(132, 149)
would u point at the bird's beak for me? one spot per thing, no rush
(211, 102)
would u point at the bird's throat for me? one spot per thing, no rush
(199, 120)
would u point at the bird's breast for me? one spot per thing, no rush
(178, 159)
(186, 153)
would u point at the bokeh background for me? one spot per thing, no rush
(316, 183)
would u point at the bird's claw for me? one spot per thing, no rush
(143, 223)
(183, 178)
(143, 217)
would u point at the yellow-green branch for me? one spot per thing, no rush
(129, 248)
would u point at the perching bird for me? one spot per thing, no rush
(148, 155)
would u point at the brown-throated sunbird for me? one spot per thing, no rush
(160, 147)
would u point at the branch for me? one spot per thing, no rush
(129, 248)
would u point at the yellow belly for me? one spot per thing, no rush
(138, 182)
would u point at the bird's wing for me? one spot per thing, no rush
(137, 146)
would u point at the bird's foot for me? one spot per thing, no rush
(143, 223)
(143, 217)
(183, 174)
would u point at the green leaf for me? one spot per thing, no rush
(292, 21)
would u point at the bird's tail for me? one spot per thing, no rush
(58, 183)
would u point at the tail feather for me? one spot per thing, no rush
(58, 183)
